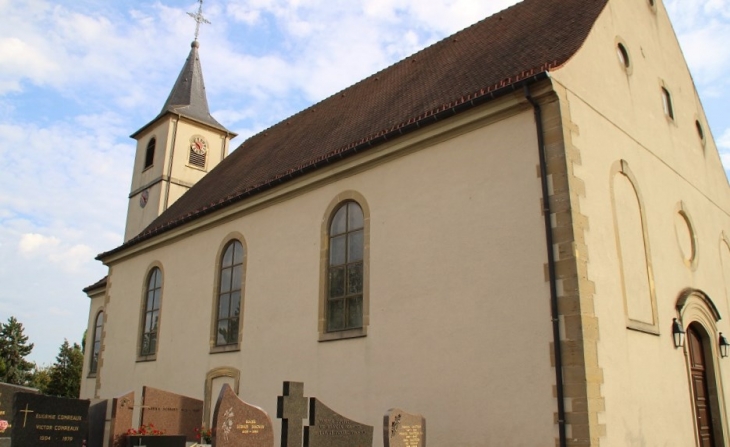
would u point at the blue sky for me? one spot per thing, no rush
(79, 76)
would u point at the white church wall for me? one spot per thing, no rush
(673, 171)
(459, 304)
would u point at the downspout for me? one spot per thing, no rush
(557, 348)
(169, 167)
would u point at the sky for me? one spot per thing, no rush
(77, 77)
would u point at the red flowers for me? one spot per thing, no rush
(146, 430)
(203, 434)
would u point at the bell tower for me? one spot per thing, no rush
(177, 148)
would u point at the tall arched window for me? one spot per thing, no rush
(149, 156)
(229, 294)
(344, 307)
(151, 317)
(96, 347)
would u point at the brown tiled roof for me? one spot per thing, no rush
(97, 285)
(489, 58)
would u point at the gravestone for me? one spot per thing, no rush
(403, 429)
(173, 413)
(291, 408)
(238, 424)
(48, 421)
(7, 396)
(121, 419)
(328, 428)
(97, 423)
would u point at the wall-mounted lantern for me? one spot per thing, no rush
(724, 346)
(678, 334)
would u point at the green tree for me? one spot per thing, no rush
(40, 378)
(14, 347)
(66, 372)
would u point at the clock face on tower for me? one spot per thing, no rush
(199, 145)
(144, 197)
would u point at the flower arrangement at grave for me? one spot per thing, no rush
(204, 435)
(146, 430)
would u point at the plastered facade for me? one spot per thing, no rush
(672, 169)
(422, 321)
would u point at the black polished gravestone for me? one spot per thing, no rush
(46, 421)
(7, 396)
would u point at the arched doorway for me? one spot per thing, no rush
(703, 385)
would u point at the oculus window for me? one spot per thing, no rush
(344, 306)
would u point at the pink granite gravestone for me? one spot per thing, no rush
(122, 408)
(170, 412)
(238, 424)
(403, 429)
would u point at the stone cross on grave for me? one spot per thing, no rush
(291, 408)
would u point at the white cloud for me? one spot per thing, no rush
(31, 243)
(68, 257)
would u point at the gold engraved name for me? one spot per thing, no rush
(250, 427)
(65, 428)
(68, 417)
(45, 416)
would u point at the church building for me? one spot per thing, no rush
(521, 232)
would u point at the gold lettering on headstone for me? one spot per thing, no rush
(251, 427)
(411, 435)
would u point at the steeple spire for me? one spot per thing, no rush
(187, 97)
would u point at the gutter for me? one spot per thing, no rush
(557, 347)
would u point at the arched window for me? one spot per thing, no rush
(96, 347)
(149, 155)
(151, 317)
(344, 307)
(229, 295)
(667, 103)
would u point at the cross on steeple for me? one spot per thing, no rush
(198, 17)
(291, 408)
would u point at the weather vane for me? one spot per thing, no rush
(198, 17)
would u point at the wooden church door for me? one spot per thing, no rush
(702, 402)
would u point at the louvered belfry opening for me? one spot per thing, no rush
(196, 159)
